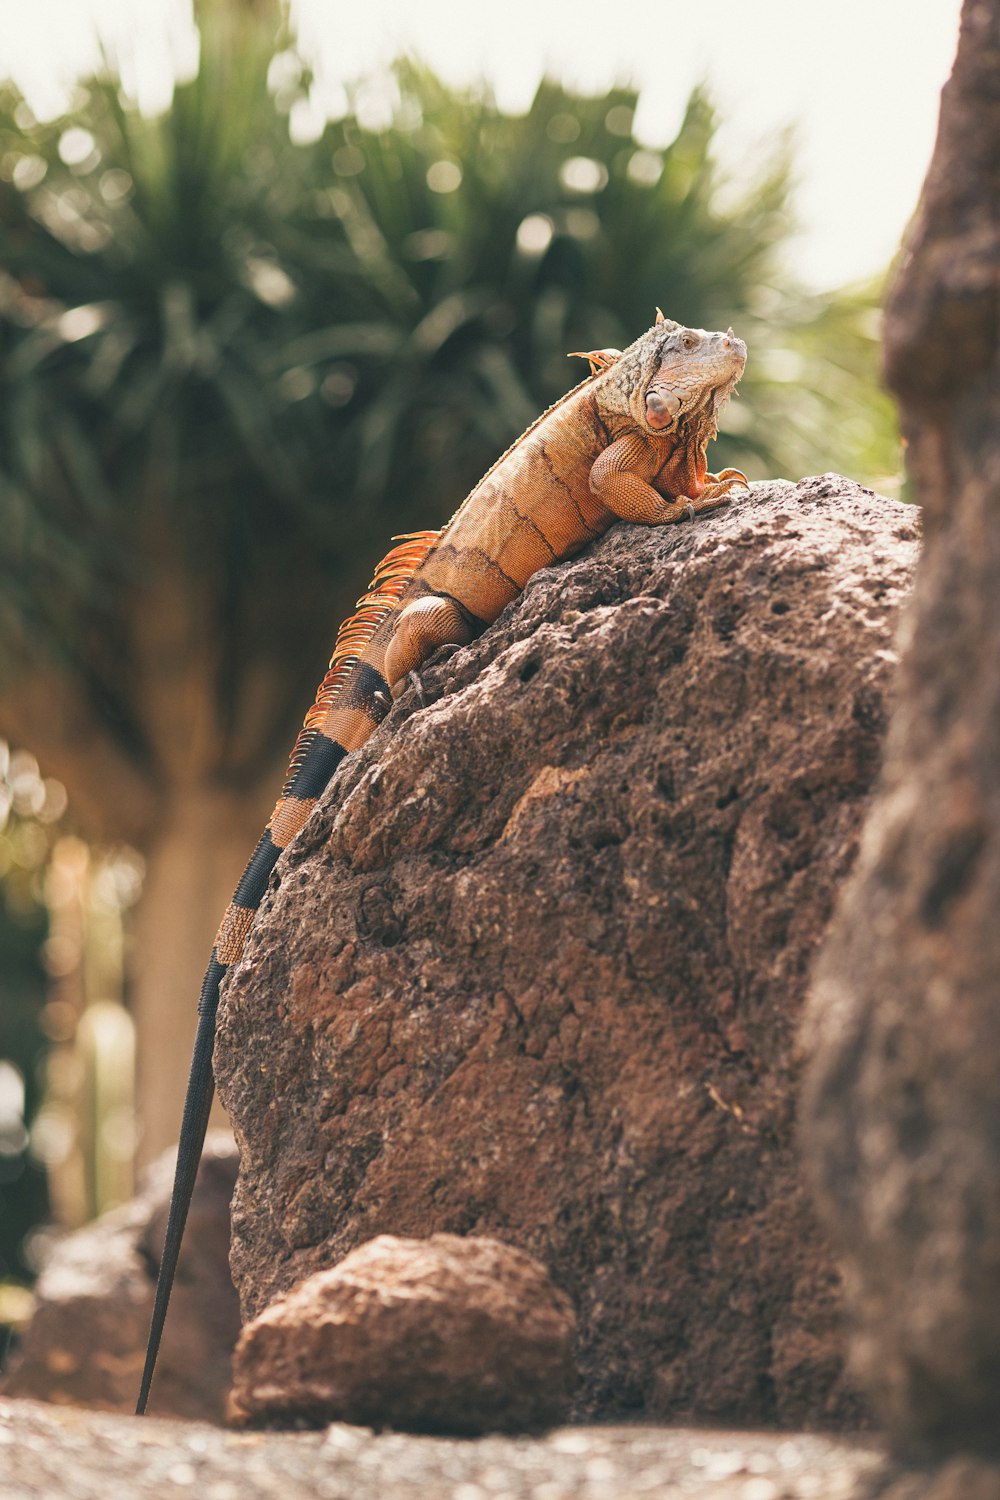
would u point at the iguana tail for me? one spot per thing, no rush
(349, 683)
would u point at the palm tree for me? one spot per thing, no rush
(232, 367)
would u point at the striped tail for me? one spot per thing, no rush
(349, 681)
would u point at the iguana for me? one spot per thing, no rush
(628, 443)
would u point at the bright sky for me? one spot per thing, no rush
(859, 78)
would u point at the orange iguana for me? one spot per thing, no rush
(628, 443)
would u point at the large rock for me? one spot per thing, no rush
(451, 1334)
(534, 969)
(902, 1109)
(86, 1342)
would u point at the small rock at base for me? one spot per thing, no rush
(446, 1334)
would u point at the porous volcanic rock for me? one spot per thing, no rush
(449, 1334)
(86, 1341)
(534, 968)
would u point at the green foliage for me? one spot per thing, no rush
(269, 357)
(846, 416)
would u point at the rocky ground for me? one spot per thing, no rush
(48, 1453)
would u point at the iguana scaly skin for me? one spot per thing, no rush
(628, 444)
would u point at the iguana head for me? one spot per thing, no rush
(673, 379)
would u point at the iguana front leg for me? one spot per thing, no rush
(620, 477)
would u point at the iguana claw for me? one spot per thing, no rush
(719, 486)
(728, 476)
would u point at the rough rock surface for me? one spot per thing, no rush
(450, 1334)
(86, 1341)
(46, 1454)
(534, 968)
(902, 1109)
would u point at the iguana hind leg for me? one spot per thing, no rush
(421, 628)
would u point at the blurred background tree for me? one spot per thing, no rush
(232, 366)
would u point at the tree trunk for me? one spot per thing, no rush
(191, 796)
(902, 1105)
(191, 872)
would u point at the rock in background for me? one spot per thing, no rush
(534, 969)
(903, 1101)
(86, 1341)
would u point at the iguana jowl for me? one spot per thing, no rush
(628, 444)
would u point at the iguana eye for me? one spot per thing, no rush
(688, 339)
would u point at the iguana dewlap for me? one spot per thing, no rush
(628, 443)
